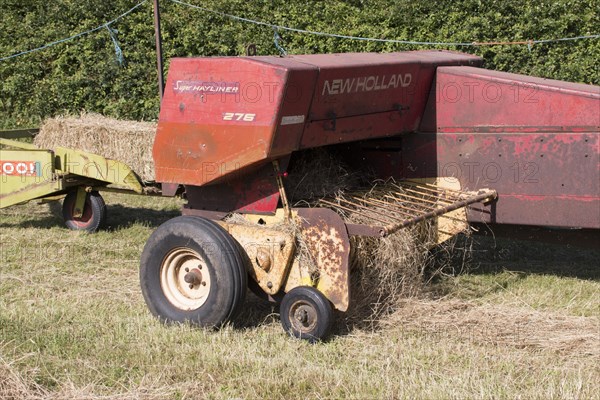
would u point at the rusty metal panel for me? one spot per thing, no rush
(478, 100)
(543, 179)
(325, 235)
(270, 252)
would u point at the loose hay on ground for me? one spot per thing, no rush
(12, 384)
(127, 141)
(572, 336)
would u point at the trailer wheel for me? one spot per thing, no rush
(306, 314)
(192, 271)
(94, 212)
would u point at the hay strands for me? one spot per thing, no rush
(393, 206)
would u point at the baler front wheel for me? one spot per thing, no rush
(306, 314)
(192, 271)
(94, 212)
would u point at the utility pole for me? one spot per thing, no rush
(159, 58)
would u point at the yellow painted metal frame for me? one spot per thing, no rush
(57, 171)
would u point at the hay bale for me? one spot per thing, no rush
(317, 173)
(127, 141)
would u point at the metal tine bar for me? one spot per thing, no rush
(439, 197)
(383, 221)
(414, 211)
(459, 204)
(442, 193)
(367, 208)
(418, 207)
(413, 183)
(421, 200)
(412, 188)
(400, 194)
(395, 207)
(439, 192)
(435, 199)
(417, 211)
(383, 204)
(404, 198)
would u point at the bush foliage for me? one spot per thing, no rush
(83, 74)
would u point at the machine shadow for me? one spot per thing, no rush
(257, 312)
(120, 216)
(571, 256)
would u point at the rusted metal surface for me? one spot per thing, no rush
(543, 179)
(363, 230)
(325, 236)
(470, 99)
(536, 141)
(270, 252)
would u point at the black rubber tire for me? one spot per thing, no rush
(221, 255)
(298, 300)
(94, 212)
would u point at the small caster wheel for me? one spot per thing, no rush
(94, 212)
(306, 314)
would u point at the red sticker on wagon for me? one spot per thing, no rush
(20, 168)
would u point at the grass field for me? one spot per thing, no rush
(520, 321)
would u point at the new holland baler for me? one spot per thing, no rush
(447, 134)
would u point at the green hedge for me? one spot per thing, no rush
(83, 74)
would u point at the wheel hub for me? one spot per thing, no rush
(194, 277)
(182, 280)
(303, 316)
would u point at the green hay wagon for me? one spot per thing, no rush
(29, 173)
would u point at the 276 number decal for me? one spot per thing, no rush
(229, 116)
